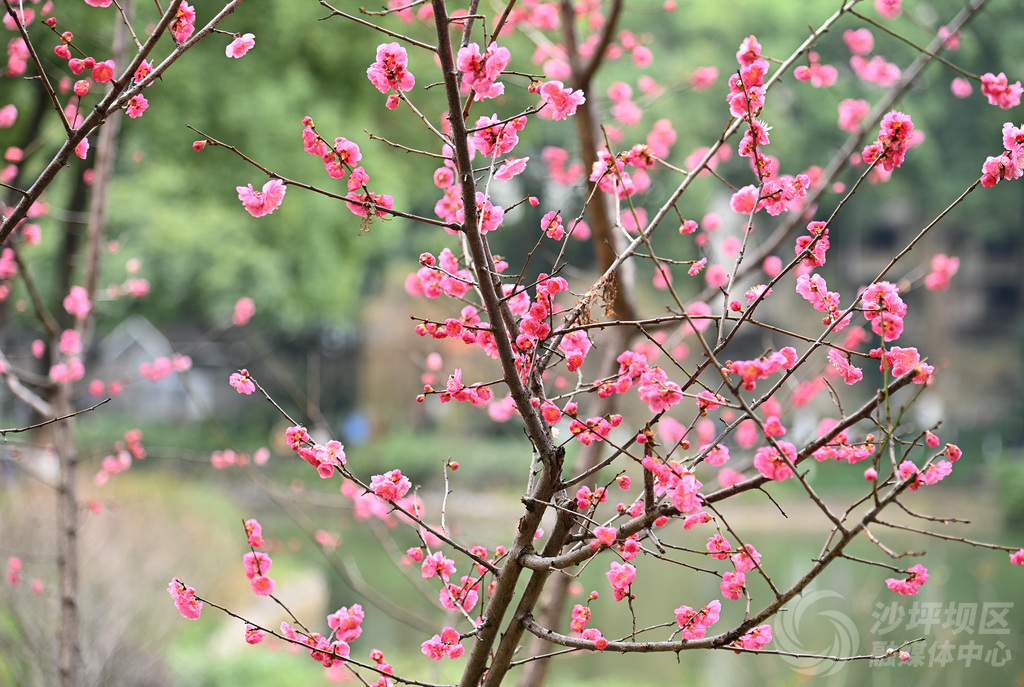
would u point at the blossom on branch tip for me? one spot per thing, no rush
(481, 71)
(893, 141)
(391, 70)
(240, 45)
(242, 383)
(347, 622)
(185, 599)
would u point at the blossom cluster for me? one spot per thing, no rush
(751, 371)
(694, 624)
(324, 457)
(1008, 165)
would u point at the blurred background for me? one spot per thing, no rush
(332, 341)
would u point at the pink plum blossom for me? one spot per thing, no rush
(481, 71)
(733, 584)
(242, 383)
(185, 599)
(444, 644)
(562, 101)
(909, 586)
(890, 9)
(264, 202)
(245, 308)
(137, 105)
(77, 302)
(240, 45)
(390, 486)
(621, 576)
(391, 70)
(999, 91)
(184, 24)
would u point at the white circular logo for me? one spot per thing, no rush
(808, 626)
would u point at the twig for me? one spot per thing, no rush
(5, 432)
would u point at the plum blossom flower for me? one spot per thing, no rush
(185, 599)
(841, 362)
(563, 101)
(481, 71)
(137, 105)
(890, 9)
(621, 576)
(245, 308)
(770, 464)
(551, 224)
(511, 167)
(184, 24)
(908, 587)
(465, 594)
(8, 115)
(444, 644)
(103, 72)
(242, 383)
(14, 570)
(391, 70)
(144, 70)
(347, 622)
(961, 87)
(254, 635)
(756, 638)
(884, 308)
(695, 624)
(893, 141)
(437, 564)
(999, 91)
(859, 41)
(943, 269)
(254, 531)
(265, 201)
(733, 585)
(390, 486)
(77, 302)
(580, 617)
(240, 45)
(703, 78)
